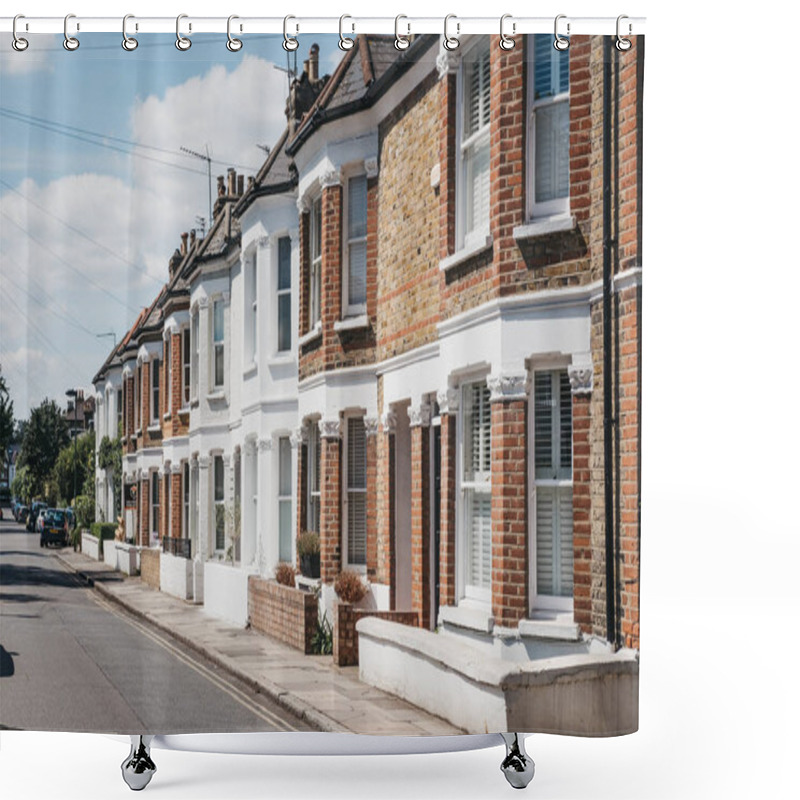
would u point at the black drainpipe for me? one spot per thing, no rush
(608, 420)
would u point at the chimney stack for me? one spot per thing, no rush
(312, 67)
(192, 237)
(184, 237)
(240, 186)
(231, 181)
(220, 185)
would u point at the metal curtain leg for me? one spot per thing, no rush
(517, 766)
(138, 768)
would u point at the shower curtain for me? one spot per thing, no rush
(321, 374)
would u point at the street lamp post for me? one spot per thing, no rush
(73, 393)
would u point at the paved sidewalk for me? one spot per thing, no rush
(328, 697)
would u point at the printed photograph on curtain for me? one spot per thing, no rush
(321, 385)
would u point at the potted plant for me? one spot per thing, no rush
(308, 553)
(284, 574)
(349, 587)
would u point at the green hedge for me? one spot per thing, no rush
(103, 531)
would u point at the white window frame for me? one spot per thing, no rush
(137, 398)
(315, 265)
(155, 505)
(353, 309)
(218, 503)
(251, 308)
(467, 239)
(185, 499)
(542, 602)
(168, 374)
(347, 491)
(120, 395)
(186, 367)
(313, 468)
(558, 206)
(283, 500)
(217, 346)
(279, 293)
(194, 371)
(167, 504)
(468, 595)
(155, 396)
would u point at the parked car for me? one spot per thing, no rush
(54, 527)
(22, 514)
(40, 519)
(33, 516)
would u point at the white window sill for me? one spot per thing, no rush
(541, 227)
(464, 617)
(154, 428)
(284, 358)
(555, 626)
(465, 254)
(216, 396)
(185, 410)
(250, 369)
(137, 433)
(352, 323)
(315, 332)
(167, 417)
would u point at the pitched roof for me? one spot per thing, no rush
(277, 175)
(367, 70)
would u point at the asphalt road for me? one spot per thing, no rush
(70, 660)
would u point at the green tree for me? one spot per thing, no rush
(46, 433)
(73, 471)
(22, 485)
(6, 418)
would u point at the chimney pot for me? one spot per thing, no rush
(184, 237)
(250, 181)
(192, 237)
(220, 185)
(313, 63)
(240, 185)
(231, 181)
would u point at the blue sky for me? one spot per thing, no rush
(94, 191)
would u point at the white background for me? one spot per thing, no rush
(720, 603)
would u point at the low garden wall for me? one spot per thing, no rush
(176, 575)
(226, 592)
(345, 637)
(283, 612)
(151, 566)
(90, 546)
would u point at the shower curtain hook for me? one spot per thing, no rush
(290, 43)
(451, 42)
(506, 42)
(70, 42)
(623, 44)
(18, 43)
(560, 43)
(181, 42)
(128, 42)
(233, 44)
(345, 43)
(401, 42)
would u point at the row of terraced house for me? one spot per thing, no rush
(416, 331)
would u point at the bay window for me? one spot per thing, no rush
(355, 498)
(355, 273)
(552, 429)
(284, 294)
(548, 129)
(315, 258)
(474, 146)
(476, 491)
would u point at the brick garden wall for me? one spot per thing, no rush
(283, 612)
(151, 567)
(345, 638)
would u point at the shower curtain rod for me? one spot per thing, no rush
(346, 25)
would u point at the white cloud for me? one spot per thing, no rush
(25, 62)
(69, 244)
